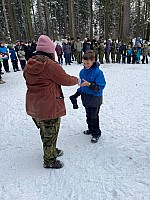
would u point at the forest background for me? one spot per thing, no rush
(117, 19)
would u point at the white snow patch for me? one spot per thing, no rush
(116, 168)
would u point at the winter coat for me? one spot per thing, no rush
(86, 46)
(107, 49)
(21, 55)
(4, 52)
(78, 46)
(113, 48)
(58, 50)
(145, 51)
(129, 52)
(123, 49)
(66, 48)
(89, 97)
(44, 97)
(101, 49)
(12, 54)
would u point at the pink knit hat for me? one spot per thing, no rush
(45, 44)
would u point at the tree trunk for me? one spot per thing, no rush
(47, 18)
(24, 23)
(32, 6)
(126, 21)
(91, 19)
(6, 21)
(138, 19)
(148, 32)
(29, 22)
(71, 19)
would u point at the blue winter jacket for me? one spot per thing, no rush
(12, 54)
(4, 50)
(92, 75)
(129, 52)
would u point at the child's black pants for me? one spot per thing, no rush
(92, 118)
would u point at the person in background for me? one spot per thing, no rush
(67, 52)
(44, 98)
(94, 47)
(113, 51)
(86, 45)
(101, 51)
(123, 52)
(33, 47)
(5, 56)
(129, 54)
(118, 52)
(145, 54)
(14, 59)
(17, 47)
(91, 91)
(134, 54)
(107, 51)
(59, 52)
(1, 80)
(78, 48)
(21, 56)
(73, 53)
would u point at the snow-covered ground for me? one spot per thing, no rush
(116, 168)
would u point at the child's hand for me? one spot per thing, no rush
(85, 83)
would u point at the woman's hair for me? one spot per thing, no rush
(50, 55)
(89, 55)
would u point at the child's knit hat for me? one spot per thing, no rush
(45, 44)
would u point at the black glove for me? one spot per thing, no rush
(73, 99)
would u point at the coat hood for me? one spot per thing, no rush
(37, 64)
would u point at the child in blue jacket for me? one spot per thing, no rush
(91, 91)
(14, 59)
(129, 54)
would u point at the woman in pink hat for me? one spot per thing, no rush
(44, 97)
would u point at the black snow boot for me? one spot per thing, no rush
(54, 164)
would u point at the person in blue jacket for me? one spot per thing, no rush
(5, 56)
(91, 91)
(14, 59)
(129, 54)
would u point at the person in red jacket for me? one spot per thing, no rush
(44, 97)
(59, 52)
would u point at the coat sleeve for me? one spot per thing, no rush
(59, 76)
(100, 81)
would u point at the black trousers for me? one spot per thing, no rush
(92, 119)
(0, 67)
(128, 59)
(145, 58)
(15, 65)
(60, 59)
(6, 65)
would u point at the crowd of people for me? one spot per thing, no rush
(110, 50)
(20, 51)
(73, 50)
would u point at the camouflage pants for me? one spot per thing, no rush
(79, 57)
(49, 132)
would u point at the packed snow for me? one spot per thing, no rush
(115, 168)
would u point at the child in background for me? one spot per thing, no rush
(5, 56)
(1, 60)
(91, 90)
(59, 52)
(14, 59)
(129, 54)
(21, 56)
